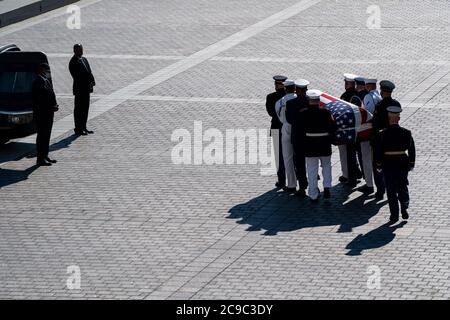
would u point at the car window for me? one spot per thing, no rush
(16, 82)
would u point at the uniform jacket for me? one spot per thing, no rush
(395, 139)
(317, 128)
(271, 99)
(83, 79)
(371, 100)
(293, 108)
(380, 115)
(280, 109)
(43, 96)
(348, 94)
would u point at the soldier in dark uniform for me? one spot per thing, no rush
(317, 131)
(271, 99)
(361, 90)
(44, 107)
(83, 86)
(379, 122)
(395, 156)
(353, 171)
(293, 108)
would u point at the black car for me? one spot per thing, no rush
(17, 73)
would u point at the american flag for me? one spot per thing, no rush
(350, 119)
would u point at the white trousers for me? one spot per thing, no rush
(343, 157)
(366, 151)
(288, 157)
(312, 169)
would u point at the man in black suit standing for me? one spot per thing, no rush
(44, 107)
(83, 86)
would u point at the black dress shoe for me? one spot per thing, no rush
(50, 160)
(80, 133)
(326, 193)
(89, 131)
(366, 189)
(279, 185)
(343, 179)
(393, 220)
(405, 214)
(289, 190)
(300, 193)
(43, 163)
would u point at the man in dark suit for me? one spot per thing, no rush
(271, 100)
(83, 86)
(44, 107)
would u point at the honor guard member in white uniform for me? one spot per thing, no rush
(350, 91)
(318, 128)
(369, 103)
(286, 142)
(293, 108)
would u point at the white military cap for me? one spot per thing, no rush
(301, 83)
(349, 76)
(394, 109)
(313, 94)
(289, 83)
(373, 81)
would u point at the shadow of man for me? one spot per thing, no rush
(276, 211)
(8, 176)
(62, 144)
(376, 238)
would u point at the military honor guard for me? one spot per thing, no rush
(286, 142)
(318, 129)
(44, 108)
(361, 90)
(293, 115)
(379, 122)
(364, 138)
(372, 98)
(350, 91)
(351, 149)
(275, 127)
(395, 156)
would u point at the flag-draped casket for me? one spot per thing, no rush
(352, 121)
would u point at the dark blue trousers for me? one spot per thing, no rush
(397, 190)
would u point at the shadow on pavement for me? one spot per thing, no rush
(8, 176)
(275, 211)
(11, 152)
(376, 238)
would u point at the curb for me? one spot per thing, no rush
(31, 10)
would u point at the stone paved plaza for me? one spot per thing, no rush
(141, 227)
